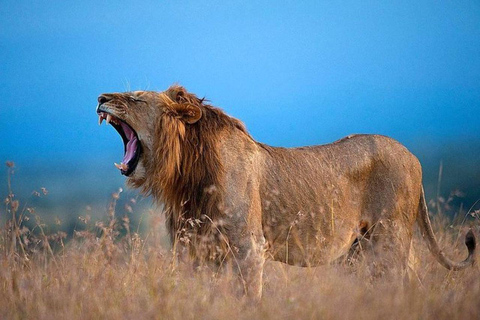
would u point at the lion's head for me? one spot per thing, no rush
(141, 118)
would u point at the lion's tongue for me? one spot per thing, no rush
(131, 147)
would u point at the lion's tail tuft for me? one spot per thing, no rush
(470, 242)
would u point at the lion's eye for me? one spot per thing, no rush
(134, 99)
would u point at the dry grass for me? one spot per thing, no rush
(108, 271)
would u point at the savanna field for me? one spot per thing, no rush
(113, 269)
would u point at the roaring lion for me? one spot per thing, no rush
(228, 198)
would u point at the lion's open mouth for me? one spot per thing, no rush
(132, 145)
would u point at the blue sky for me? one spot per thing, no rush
(296, 72)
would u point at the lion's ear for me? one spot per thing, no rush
(177, 94)
(188, 112)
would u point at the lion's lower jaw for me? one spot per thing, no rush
(138, 177)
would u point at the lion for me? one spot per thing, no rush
(230, 199)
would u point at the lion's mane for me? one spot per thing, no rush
(185, 173)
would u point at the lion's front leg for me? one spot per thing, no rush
(248, 262)
(242, 208)
(247, 242)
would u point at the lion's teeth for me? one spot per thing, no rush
(100, 120)
(109, 118)
(121, 166)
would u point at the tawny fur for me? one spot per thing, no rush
(230, 198)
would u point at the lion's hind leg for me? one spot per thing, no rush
(386, 253)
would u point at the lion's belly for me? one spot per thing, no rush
(309, 251)
(312, 234)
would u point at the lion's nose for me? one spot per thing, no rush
(103, 98)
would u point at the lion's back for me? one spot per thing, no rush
(349, 154)
(314, 176)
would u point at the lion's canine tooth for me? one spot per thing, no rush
(100, 120)
(121, 166)
(109, 118)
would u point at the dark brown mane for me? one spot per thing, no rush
(186, 165)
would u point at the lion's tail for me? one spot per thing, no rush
(427, 232)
